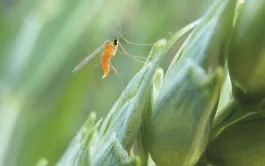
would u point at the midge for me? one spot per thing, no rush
(109, 49)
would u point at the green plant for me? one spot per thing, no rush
(193, 115)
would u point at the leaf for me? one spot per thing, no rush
(239, 139)
(77, 150)
(180, 125)
(113, 153)
(207, 42)
(179, 128)
(246, 56)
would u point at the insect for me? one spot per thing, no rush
(109, 49)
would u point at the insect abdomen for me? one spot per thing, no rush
(105, 63)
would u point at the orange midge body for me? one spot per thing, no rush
(110, 48)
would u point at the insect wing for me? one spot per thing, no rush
(87, 59)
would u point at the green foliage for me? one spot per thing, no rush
(193, 115)
(246, 53)
(178, 132)
(76, 152)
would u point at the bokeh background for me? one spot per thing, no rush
(42, 103)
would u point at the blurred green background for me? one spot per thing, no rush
(42, 103)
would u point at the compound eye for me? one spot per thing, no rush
(115, 41)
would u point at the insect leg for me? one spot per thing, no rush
(129, 42)
(127, 54)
